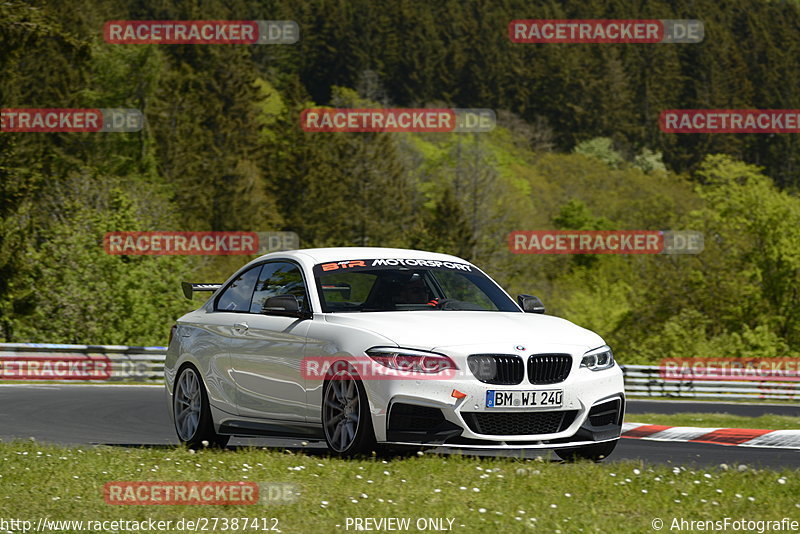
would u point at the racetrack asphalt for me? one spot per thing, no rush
(137, 416)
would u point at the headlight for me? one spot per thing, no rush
(598, 359)
(411, 360)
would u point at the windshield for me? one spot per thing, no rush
(394, 284)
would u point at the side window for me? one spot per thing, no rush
(237, 295)
(279, 278)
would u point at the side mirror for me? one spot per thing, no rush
(286, 306)
(530, 304)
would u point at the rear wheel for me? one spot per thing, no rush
(594, 453)
(192, 413)
(345, 413)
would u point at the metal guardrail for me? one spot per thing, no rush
(147, 364)
(646, 381)
(124, 363)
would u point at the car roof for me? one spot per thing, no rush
(322, 255)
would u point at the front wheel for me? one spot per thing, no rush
(345, 413)
(594, 452)
(192, 413)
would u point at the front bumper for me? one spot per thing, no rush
(424, 412)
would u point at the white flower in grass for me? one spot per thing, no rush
(644, 491)
(482, 510)
(553, 506)
(636, 472)
(782, 480)
(476, 490)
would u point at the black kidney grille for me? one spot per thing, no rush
(548, 368)
(519, 423)
(502, 369)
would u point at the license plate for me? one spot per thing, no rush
(522, 399)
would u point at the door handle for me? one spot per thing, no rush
(240, 328)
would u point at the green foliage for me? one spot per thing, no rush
(601, 148)
(222, 150)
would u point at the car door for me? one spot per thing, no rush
(217, 333)
(267, 350)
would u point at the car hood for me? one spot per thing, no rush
(438, 329)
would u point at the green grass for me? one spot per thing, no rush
(721, 420)
(482, 495)
(737, 400)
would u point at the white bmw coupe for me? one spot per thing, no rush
(372, 347)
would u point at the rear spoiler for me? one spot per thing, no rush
(189, 288)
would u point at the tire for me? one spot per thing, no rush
(191, 412)
(594, 453)
(346, 419)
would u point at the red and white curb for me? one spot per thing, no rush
(743, 437)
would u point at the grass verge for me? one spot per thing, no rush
(717, 420)
(479, 494)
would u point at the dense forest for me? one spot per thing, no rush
(577, 147)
